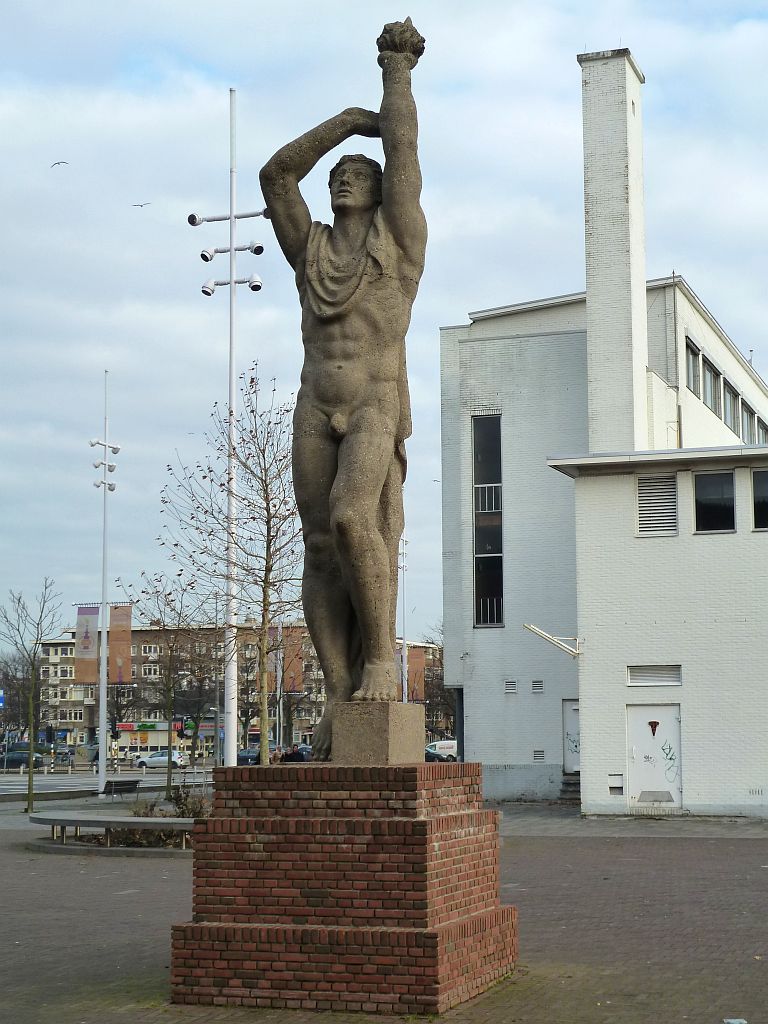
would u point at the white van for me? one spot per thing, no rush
(442, 750)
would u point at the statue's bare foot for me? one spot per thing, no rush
(321, 737)
(379, 682)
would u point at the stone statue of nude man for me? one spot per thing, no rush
(357, 281)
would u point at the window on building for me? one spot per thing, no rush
(486, 478)
(150, 671)
(657, 504)
(711, 388)
(715, 510)
(747, 424)
(760, 498)
(731, 407)
(134, 672)
(762, 432)
(692, 368)
(134, 650)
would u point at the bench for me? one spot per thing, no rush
(121, 786)
(60, 822)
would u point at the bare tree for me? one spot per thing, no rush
(14, 681)
(267, 563)
(175, 612)
(23, 627)
(440, 703)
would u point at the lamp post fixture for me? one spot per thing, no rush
(106, 467)
(254, 283)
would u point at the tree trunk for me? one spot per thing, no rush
(30, 734)
(264, 682)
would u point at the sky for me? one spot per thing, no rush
(135, 97)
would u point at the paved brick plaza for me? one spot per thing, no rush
(621, 922)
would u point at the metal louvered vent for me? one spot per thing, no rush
(510, 686)
(538, 755)
(657, 504)
(654, 675)
(537, 686)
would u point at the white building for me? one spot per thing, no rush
(671, 553)
(627, 366)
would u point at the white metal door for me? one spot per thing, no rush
(654, 773)
(571, 736)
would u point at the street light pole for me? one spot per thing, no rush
(106, 467)
(231, 588)
(404, 652)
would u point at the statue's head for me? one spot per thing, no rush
(355, 183)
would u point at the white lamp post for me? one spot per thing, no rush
(106, 467)
(254, 283)
(404, 652)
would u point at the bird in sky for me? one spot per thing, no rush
(58, 163)
(141, 204)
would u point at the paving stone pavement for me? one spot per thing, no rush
(622, 922)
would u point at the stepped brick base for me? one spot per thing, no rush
(345, 888)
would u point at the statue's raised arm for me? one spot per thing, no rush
(281, 175)
(400, 47)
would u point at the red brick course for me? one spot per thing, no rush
(372, 889)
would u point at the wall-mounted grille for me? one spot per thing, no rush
(657, 504)
(654, 675)
(510, 686)
(537, 686)
(538, 755)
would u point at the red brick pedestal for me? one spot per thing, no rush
(324, 887)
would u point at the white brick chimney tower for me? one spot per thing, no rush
(617, 321)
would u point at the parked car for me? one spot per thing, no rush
(250, 755)
(441, 750)
(430, 755)
(20, 758)
(39, 748)
(159, 759)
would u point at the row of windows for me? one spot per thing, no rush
(714, 503)
(59, 652)
(487, 509)
(708, 384)
(57, 672)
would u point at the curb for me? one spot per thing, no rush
(86, 849)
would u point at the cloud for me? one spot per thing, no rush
(135, 98)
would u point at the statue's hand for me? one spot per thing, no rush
(364, 122)
(402, 39)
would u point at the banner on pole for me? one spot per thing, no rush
(86, 644)
(120, 645)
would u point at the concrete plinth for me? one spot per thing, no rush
(378, 733)
(327, 887)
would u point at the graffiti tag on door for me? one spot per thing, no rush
(671, 767)
(573, 742)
